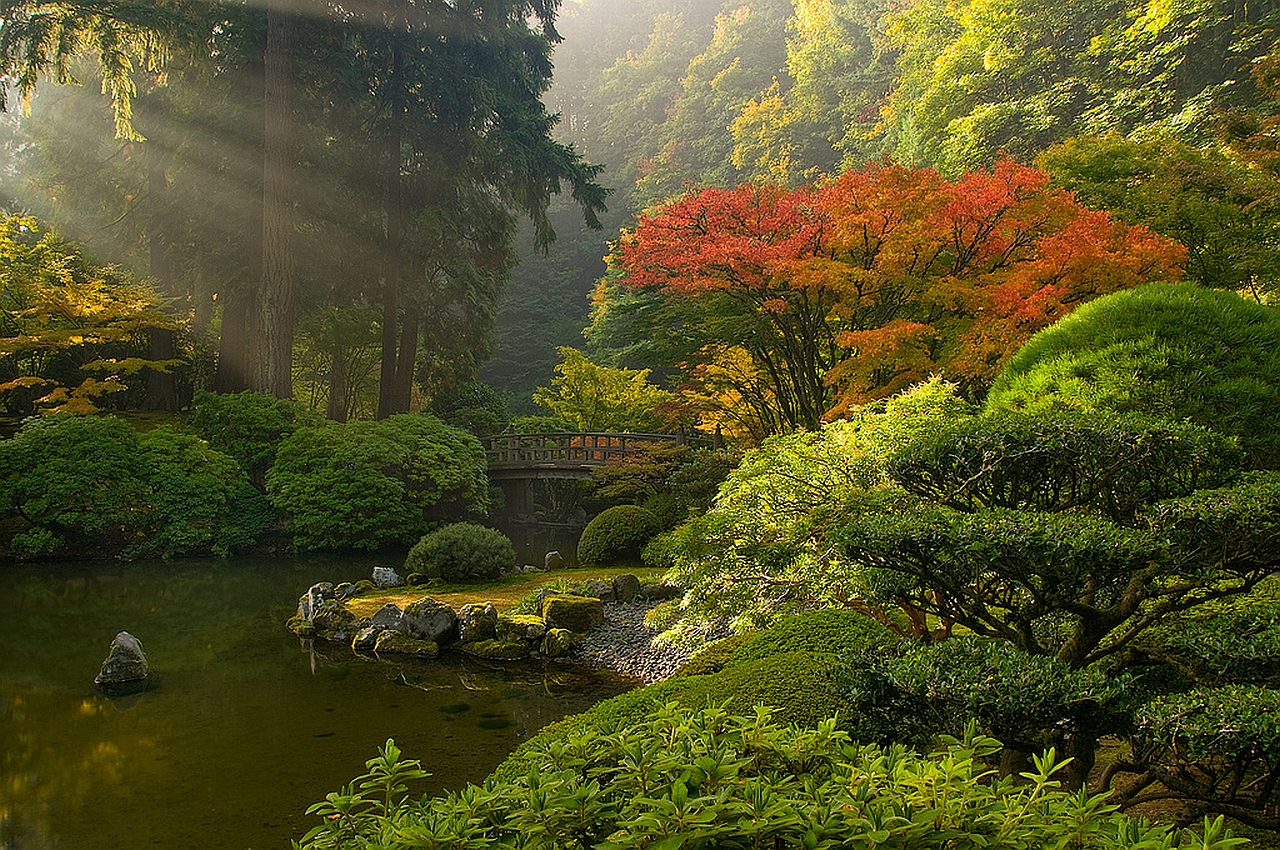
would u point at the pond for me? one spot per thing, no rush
(245, 726)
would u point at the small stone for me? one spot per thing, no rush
(553, 560)
(344, 591)
(625, 587)
(477, 622)
(390, 616)
(659, 592)
(367, 638)
(514, 627)
(602, 590)
(394, 643)
(558, 643)
(387, 577)
(125, 669)
(578, 614)
(429, 620)
(316, 595)
(497, 649)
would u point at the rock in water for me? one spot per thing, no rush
(429, 620)
(125, 670)
(477, 622)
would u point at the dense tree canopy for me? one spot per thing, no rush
(832, 294)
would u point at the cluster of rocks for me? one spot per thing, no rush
(561, 625)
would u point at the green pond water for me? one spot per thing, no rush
(245, 727)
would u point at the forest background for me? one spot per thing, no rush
(1160, 113)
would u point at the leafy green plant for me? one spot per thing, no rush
(95, 483)
(462, 551)
(249, 426)
(363, 485)
(616, 535)
(706, 778)
(473, 406)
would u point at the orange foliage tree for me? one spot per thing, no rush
(847, 291)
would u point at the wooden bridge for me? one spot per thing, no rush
(569, 455)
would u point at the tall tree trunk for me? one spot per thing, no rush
(161, 388)
(337, 407)
(238, 301)
(273, 348)
(407, 359)
(388, 401)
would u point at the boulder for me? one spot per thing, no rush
(367, 638)
(396, 643)
(558, 643)
(332, 621)
(477, 622)
(659, 592)
(390, 616)
(578, 614)
(527, 627)
(602, 590)
(553, 560)
(125, 669)
(498, 650)
(387, 577)
(429, 620)
(625, 587)
(316, 595)
(344, 591)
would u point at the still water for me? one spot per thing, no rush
(245, 726)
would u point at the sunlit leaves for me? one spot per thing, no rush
(69, 329)
(851, 289)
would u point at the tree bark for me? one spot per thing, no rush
(273, 343)
(336, 409)
(388, 397)
(161, 388)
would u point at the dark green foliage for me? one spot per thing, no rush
(1110, 465)
(706, 779)
(1029, 703)
(616, 535)
(1217, 751)
(1179, 352)
(1236, 641)
(249, 426)
(461, 552)
(473, 406)
(364, 485)
(1059, 534)
(95, 484)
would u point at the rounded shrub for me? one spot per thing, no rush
(462, 551)
(249, 426)
(617, 534)
(1177, 351)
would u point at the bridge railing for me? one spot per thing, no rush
(565, 449)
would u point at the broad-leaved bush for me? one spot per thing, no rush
(365, 485)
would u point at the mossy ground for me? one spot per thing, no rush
(503, 593)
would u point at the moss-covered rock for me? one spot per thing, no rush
(332, 621)
(477, 621)
(578, 614)
(430, 620)
(558, 643)
(397, 643)
(363, 586)
(514, 627)
(301, 626)
(498, 650)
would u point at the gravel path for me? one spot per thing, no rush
(625, 644)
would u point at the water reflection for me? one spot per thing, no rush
(246, 727)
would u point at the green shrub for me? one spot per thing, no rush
(364, 485)
(95, 484)
(461, 552)
(706, 779)
(616, 535)
(1178, 351)
(249, 426)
